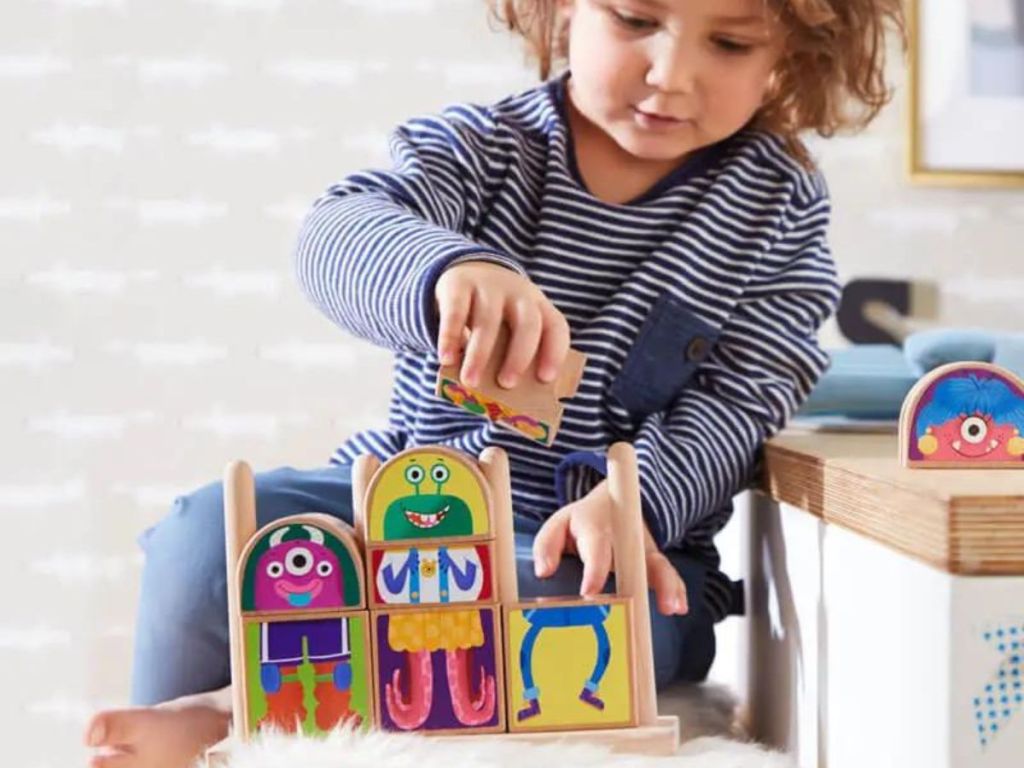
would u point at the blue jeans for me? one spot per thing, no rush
(181, 637)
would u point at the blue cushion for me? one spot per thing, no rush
(927, 350)
(866, 381)
(1010, 352)
(870, 381)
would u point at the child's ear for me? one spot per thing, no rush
(771, 88)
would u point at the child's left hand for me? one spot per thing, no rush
(584, 527)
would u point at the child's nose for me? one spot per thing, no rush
(673, 67)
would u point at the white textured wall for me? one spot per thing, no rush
(967, 242)
(156, 156)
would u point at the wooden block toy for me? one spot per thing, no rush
(574, 665)
(531, 407)
(429, 530)
(432, 572)
(596, 670)
(300, 635)
(307, 674)
(569, 664)
(429, 533)
(428, 493)
(962, 416)
(439, 670)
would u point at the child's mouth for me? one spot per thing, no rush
(655, 120)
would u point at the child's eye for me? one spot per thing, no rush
(635, 23)
(732, 46)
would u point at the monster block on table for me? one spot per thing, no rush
(962, 416)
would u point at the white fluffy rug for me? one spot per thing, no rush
(702, 710)
(348, 749)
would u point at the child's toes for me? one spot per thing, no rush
(115, 760)
(116, 728)
(96, 730)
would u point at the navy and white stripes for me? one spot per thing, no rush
(730, 250)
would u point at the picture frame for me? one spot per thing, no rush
(966, 92)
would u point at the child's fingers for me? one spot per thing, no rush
(554, 343)
(485, 320)
(595, 550)
(453, 308)
(669, 587)
(525, 328)
(549, 544)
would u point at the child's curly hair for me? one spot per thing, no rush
(831, 75)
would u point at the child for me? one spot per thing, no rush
(655, 205)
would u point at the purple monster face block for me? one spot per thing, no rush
(300, 567)
(299, 573)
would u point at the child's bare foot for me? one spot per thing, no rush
(171, 735)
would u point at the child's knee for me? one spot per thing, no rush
(684, 646)
(195, 523)
(184, 552)
(192, 518)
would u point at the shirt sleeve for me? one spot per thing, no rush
(371, 250)
(700, 451)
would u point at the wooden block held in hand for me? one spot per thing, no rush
(532, 407)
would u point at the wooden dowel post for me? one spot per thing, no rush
(362, 472)
(631, 571)
(239, 526)
(494, 465)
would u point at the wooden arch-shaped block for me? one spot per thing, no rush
(317, 551)
(430, 492)
(964, 415)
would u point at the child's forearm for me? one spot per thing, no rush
(371, 268)
(371, 250)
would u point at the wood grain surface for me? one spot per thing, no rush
(963, 521)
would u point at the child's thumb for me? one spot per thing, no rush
(549, 543)
(669, 589)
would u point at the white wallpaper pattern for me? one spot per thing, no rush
(156, 158)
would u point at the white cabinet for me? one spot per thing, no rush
(860, 655)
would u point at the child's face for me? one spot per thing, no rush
(666, 77)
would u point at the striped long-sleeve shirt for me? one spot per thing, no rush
(697, 304)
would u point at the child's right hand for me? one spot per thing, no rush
(584, 528)
(474, 298)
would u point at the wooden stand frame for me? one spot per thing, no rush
(651, 734)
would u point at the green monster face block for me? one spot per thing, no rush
(427, 515)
